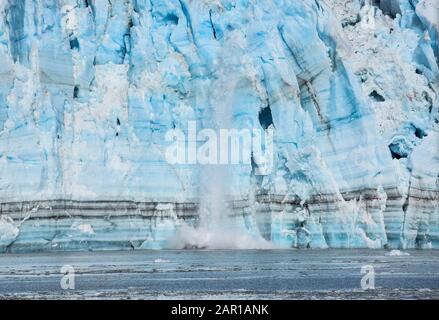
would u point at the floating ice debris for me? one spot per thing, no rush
(161, 261)
(397, 253)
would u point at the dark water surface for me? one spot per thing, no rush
(222, 274)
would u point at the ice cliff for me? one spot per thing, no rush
(89, 88)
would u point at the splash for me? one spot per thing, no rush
(188, 237)
(217, 229)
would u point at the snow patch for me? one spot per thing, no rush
(83, 227)
(8, 230)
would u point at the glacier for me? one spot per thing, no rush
(89, 89)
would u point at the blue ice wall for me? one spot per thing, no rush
(88, 90)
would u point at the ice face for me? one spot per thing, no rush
(89, 89)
